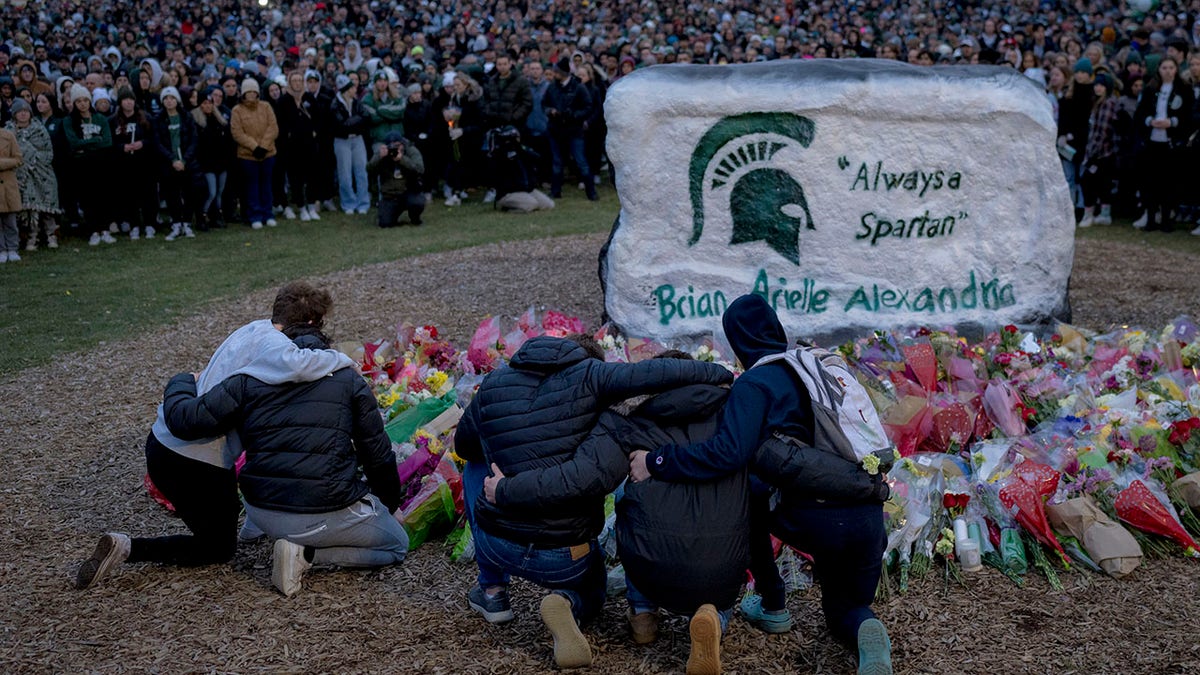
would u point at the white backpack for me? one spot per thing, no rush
(845, 421)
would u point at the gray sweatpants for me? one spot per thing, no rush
(363, 534)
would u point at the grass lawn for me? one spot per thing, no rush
(55, 302)
(1122, 232)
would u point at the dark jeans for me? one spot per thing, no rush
(176, 187)
(392, 206)
(846, 543)
(1097, 182)
(302, 170)
(205, 498)
(575, 573)
(258, 188)
(559, 147)
(1159, 180)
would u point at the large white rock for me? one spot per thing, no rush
(855, 195)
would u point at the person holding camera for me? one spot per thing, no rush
(398, 167)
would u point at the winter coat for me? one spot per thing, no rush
(10, 159)
(253, 125)
(304, 441)
(187, 141)
(574, 105)
(1179, 111)
(507, 101)
(536, 411)
(126, 131)
(682, 544)
(87, 140)
(385, 113)
(346, 121)
(398, 178)
(39, 187)
(214, 142)
(298, 123)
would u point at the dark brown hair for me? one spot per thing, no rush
(300, 303)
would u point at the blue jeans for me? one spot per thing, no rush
(258, 188)
(559, 146)
(581, 580)
(351, 155)
(216, 187)
(639, 603)
(363, 534)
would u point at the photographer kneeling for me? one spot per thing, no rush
(398, 166)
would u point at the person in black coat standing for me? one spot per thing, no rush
(297, 111)
(175, 134)
(305, 444)
(534, 413)
(1163, 120)
(568, 105)
(684, 546)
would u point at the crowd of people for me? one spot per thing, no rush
(223, 111)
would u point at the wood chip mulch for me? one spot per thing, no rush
(74, 432)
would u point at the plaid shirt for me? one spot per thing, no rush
(1102, 133)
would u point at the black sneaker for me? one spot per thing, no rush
(494, 608)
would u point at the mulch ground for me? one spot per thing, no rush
(74, 430)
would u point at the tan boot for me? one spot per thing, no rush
(705, 629)
(571, 648)
(644, 627)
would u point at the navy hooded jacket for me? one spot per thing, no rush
(763, 401)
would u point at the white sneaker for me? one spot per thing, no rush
(348, 212)
(256, 225)
(453, 200)
(187, 231)
(135, 234)
(271, 222)
(94, 240)
(582, 186)
(277, 210)
(304, 217)
(489, 197)
(150, 231)
(288, 567)
(31, 245)
(447, 192)
(1105, 217)
(428, 197)
(288, 213)
(462, 194)
(312, 212)
(3, 259)
(13, 256)
(176, 230)
(107, 238)
(329, 205)
(1142, 222)
(110, 551)
(362, 210)
(124, 227)
(1196, 232)
(1088, 219)
(52, 241)
(114, 228)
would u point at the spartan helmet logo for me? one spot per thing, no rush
(766, 203)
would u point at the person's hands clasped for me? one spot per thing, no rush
(489, 483)
(638, 471)
(1161, 124)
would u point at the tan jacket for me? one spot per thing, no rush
(253, 125)
(10, 159)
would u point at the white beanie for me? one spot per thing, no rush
(101, 94)
(448, 78)
(80, 91)
(250, 84)
(170, 91)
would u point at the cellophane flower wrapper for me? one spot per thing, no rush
(1149, 510)
(1000, 402)
(430, 510)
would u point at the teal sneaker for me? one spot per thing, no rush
(767, 622)
(874, 649)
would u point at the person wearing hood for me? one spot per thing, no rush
(307, 444)
(27, 77)
(845, 537)
(89, 140)
(350, 127)
(175, 138)
(298, 120)
(535, 412)
(684, 546)
(255, 129)
(197, 474)
(136, 154)
(142, 84)
(35, 176)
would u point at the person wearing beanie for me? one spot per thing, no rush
(175, 135)
(1074, 111)
(135, 153)
(255, 130)
(1083, 65)
(89, 140)
(350, 127)
(568, 104)
(1099, 162)
(384, 106)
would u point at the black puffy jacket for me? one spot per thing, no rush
(534, 414)
(304, 442)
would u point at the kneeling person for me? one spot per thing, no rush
(304, 446)
(398, 166)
